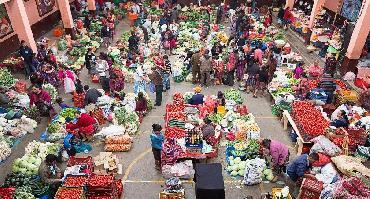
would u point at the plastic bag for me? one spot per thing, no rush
(69, 85)
(325, 146)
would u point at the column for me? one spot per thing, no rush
(358, 39)
(91, 6)
(67, 19)
(20, 23)
(315, 9)
(289, 3)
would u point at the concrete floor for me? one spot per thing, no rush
(140, 178)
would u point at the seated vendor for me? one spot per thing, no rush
(341, 121)
(347, 107)
(208, 131)
(51, 174)
(197, 97)
(297, 168)
(85, 126)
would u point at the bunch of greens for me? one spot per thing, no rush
(6, 78)
(215, 118)
(235, 95)
(128, 119)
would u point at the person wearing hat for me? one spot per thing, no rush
(205, 68)
(197, 98)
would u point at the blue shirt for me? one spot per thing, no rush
(196, 99)
(297, 168)
(157, 140)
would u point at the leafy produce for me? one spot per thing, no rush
(51, 90)
(29, 183)
(24, 193)
(309, 120)
(236, 166)
(268, 174)
(28, 165)
(6, 78)
(235, 95)
(215, 118)
(5, 150)
(68, 113)
(128, 119)
(62, 44)
(33, 113)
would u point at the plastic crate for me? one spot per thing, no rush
(61, 193)
(80, 161)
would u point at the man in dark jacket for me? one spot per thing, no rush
(157, 80)
(26, 53)
(195, 63)
(92, 95)
(133, 42)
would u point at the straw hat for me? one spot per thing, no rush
(198, 89)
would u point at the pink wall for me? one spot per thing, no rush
(333, 5)
(33, 14)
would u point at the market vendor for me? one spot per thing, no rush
(51, 174)
(91, 96)
(279, 153)
(42, 100)
(315, 70)
(85, 126)
(347, 107)
(197, 98)
(157, 139)
(208, 132)
(297, 169)
(141, 107)
(341, 121)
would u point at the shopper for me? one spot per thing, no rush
(262, 80)
(157, 80)
(252, 72)
(26, 53)
(157, 139)
(195, 63)
(197, 98)
(90, 60)
(92, 95)
(279, 154)
(141, 106)
(205, 68)
(167, 73)
(297, 169)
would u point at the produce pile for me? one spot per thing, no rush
(308, 119)
(130, 120)
(35, 153)
(282, 82)
(7, 80)
(51, 90)
(69, 193)
(27, 186)
(233, 94)
(5, 150)
(118, 143)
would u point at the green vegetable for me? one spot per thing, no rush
(6, 78)
(233, 94)
(215, 118)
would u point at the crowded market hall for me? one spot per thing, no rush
(175, 99)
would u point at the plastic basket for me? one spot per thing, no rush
(80, 161)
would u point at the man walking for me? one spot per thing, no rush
(26, 53)
(157, 80)
(205, 68)
(195, 63)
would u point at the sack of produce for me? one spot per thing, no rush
(253, 171)
(325, 146)
(118, 147)
(118, 139)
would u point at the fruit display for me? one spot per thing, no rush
(69, 193)
(308, 119)
(75, 181)
(100, 181)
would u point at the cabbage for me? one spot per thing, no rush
(231, 162)
(229, 169)
(237, 160)
(241, 166)
(270, 177)
(234, 173)
(241, 172)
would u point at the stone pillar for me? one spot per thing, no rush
(20, 23)
(91, 6)
(65, 12)
(358, 39)
(315, 9)
(289, 3)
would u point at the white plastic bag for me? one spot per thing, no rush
(69, 85)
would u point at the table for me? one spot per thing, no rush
(300, 141)
(209, 182)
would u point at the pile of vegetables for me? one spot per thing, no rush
(55, 131)
(67, 113)
(5, 150)
(33, 113)
(277, 109)
(233, 94)
(27, 186)
(130, 120)
(62, 44)
(248, 149)
(120, 143)
(268, 174)
(236, 166)
(51, 90)
(215, 118)
(7, 80)
(69, 193)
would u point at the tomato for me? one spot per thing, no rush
(100, 180)
(75, 181)
(69, 193)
